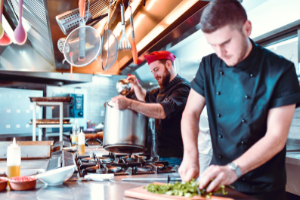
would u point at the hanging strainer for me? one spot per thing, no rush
(109, 48)
(82, 45)
(91, 46)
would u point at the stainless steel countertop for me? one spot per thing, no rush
(292, 158)
(109, 190)
(71, 190)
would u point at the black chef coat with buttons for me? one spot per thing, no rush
(238, 100)
(173, 97)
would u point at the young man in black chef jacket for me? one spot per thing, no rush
(165, 104)
(250, 94)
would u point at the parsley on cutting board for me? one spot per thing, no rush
(186, 189)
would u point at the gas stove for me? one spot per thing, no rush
(121, 165)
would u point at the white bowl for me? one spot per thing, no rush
(56, 176)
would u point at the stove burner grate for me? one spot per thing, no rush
(145, 168)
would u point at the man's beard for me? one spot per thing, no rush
(242, 54)
(165, 78)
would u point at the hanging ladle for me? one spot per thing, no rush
(4, 39)
(20, 34)
(1, 27)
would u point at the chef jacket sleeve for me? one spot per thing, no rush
(287, 90)
(198, 83)
(176, 101)
(151, 95)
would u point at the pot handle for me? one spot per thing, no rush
(109, 105)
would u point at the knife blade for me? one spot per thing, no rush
(165, 179)
(88, 179)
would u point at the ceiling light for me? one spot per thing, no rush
(118, 29)
(107, 75)
(174, 15)
(149, 6)
(178, 11)
(151, 36)
(134, 4)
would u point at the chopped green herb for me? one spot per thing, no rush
(186, 189)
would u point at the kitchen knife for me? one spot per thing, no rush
(88, 179)
(165, 179)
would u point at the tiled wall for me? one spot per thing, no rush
(98, 92)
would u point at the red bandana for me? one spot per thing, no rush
(159, 55)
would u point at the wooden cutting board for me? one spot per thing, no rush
(141, 193)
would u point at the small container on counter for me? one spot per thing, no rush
(3, 183)
(13, 160)
(22, 183)
(81, 143)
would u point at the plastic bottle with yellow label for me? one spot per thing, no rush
(13, 160)
(81, 143)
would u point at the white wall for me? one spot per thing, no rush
(265, 15)
(272, 14)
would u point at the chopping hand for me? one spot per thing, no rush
(215, 176)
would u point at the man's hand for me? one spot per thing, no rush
(121, 102)
(221, 175)
(133, 80)
(189, 168)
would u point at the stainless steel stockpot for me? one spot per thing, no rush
(125, 131)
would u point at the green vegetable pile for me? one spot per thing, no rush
(186, 189)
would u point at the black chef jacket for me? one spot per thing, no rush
(173, 97)
(238, 100)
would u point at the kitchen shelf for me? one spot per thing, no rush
(37, 125)
(50, 125)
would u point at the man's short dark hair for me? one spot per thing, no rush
(164, 61)
(220, 13)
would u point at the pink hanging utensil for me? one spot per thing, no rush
(20, 34)
(1, 27)
(4, 40)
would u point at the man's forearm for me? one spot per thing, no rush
(272, 143)
(153, 110)
(261, 152)
(140, 92)
(189, 133)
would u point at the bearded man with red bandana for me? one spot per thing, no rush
(165, 104)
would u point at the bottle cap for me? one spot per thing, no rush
(14, 144)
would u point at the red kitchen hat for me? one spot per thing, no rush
(159, 55)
